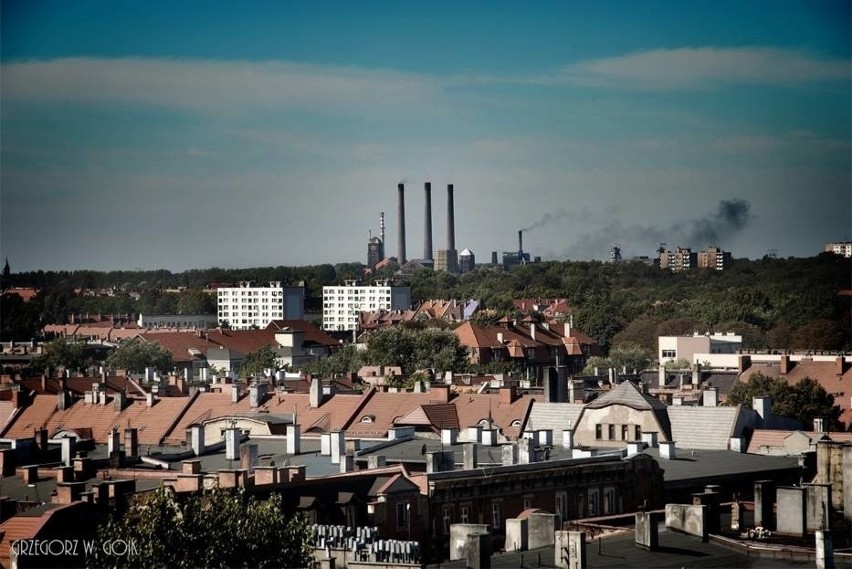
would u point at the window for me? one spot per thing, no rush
(625, 432)
(598, 432)
(402, 515)
(669, 353)
(446, 519)
(610, 432)
(609, 500)
(561, 508)
(528, 499)
(594, 498)
(495, 515)
(638, 432)
(464, 514)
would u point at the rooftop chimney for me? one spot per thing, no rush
(401, 215)
(427, 223)
(451, 220)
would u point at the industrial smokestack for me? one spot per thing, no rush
(451, 220)
(427, 224)
(401, 215)
(382, 226)
(520, 242)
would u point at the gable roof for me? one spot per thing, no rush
(510, 418)
(310, 332)
(626, 393)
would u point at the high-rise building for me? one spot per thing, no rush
(714, 258)
(248, 306)
(341, 305)
(681, 259)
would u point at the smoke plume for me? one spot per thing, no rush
(730, 217)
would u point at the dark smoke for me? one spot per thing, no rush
(546, 219)
(730, 217)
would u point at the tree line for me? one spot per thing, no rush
(773, 303)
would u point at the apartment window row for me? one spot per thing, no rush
(669, 353)
(617, 432)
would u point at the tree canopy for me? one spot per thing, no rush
(135, 355)
(414, 349)
(216, 529)
(256, 362)
(61, 352)
(804, 400)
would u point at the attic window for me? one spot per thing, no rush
(483, 422)
(516, 423)
(368, 418)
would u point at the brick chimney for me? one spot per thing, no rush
(838, 365)
(785, 364)
(507, 395)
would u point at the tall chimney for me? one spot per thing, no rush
(451, 220)
(520, 242)
(427, 223)
(382, 233)
(401, 235)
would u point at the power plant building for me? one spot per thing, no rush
(248, 306)
(342, 305)
(467, 261)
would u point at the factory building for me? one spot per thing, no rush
(467, 261)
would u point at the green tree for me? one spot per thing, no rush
(256, 362)
(61, 352)
(414, 349)
(803, 401)
(196, 302)
(344, 360)
(135, 355)
(216, 529)
(630, 356)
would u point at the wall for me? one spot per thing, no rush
(584, 432)
(687, 519)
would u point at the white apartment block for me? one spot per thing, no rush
(840, 248)
(248, 306)
(341, 305)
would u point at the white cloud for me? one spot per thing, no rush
(210, 85)
(747, 144)
(702, 67)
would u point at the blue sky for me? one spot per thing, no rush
(197, 134)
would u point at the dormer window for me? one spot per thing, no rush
(368, 418)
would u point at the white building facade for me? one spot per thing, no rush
(248, 306)
(672, 348)
(841, 248)
(341, 305)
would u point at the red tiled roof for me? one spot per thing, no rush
(823, 372)
(335, 411)
(153, 422)
(179, 344)
(310, 332)
(473, 408)
(385, 409)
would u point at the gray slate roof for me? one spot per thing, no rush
(629, 395)
(708, 428)
(556, 416)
